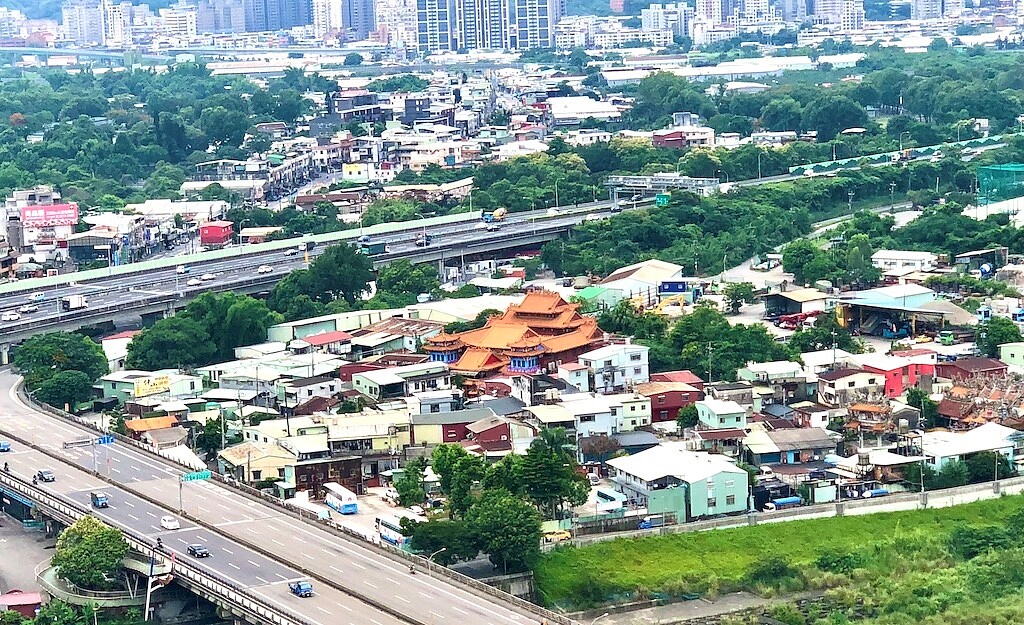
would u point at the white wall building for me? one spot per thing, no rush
(618, 367)
(887, 260)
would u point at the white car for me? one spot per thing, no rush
(194, 282)
(594, 217)
(417, 510)
(207, 276)
(10, 315)
(169, 523)
(264, 269)
(28, 308)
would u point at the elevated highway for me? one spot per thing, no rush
(155, 287)
(257, 546)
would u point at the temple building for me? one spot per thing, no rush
(530, 337)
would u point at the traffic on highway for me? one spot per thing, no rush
(258, 546)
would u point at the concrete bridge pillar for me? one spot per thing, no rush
(5, 353)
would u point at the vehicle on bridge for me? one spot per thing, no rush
(264, 269)
(169, 523)
(490, 216)
(99, 500)
(73, 302)
(423, 239)
(198, 551)
(37, 297)
(194, 282)
(5, 446)
(46, 475)
(372, 249)
(301, 588)
(28, 308)
(183, 269)
(10, 315)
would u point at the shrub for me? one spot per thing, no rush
(836, 561)
(970, 541)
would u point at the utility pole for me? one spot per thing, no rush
(709, 362)
(892, 202)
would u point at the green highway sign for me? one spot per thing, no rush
(662, 199)
(196, 475)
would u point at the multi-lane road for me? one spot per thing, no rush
(118, 291)
(255, 545)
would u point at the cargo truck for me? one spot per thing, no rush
(301, 588)
(372, 249)
(73, 302)
(783, 503)
(490, 216)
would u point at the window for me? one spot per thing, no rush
(634, 357)
(256, 475)
(871, 380)
(587, 418)
(850, 384)
(730, 500)
(303, 478)
(637, 370)
(632, 408)
(712, 502)
(663, 414)
(661, 399)
(435, 407)
(730, 483)
(607, 363)
(309, 393)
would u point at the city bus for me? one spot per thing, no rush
(390, 530)
(341, 499)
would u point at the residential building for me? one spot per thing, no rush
(530, 337)
(818, 362)
(312, 473)
(252, 461)
(685, 376)
(396, 23)
(788, 446)
(965, 368)
(716, 414)
(394, 382)
(267, 15)
(573, 110)
(630, 411)
(293, 393)
(436, 428)
(898, 373)
(327, 17)
(675, 17)
(495, 437)
(132, 384)
(809, 414)
(904, 259)
(685, 137)
(669, 479)
(577, 375)
(357, 16)
(617, 367)
(786, 380)
(482, 24)
(845, 386)
(1012, 354)
(393, 334)
(220, 16)
(591, 415)
(668, 398)
(940, 447)
(435, 20)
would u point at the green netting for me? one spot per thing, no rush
(997, 183)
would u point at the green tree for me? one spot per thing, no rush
(600, 447)
(455, 537)
(339, 273)
(995, 332)
(478, 322)
(175, 342)
(467, 473)
(209, 440)
(797, 257)
(89, 552)
(45, 355)
(549, 471)
(410, 483)
(353, 59)
(506, 474)
(231, 320)
(687, 417)
(224, 126)
(508, 530)
(830, 114)
(403, 278)
(929, 409)
(738, 293)
(65, 388)
(982, 467)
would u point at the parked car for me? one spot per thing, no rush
(198, 551)
(46, 475)
(10, 315)
(417, 510)
(169, 523)
(557, 536)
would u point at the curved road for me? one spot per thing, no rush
(230, 522)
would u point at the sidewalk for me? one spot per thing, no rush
(23, 550)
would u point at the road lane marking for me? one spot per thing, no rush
(253, 563)
(369, 584)
(403, 598)
(306, 555)
(424, 594)
(436, 614)
(276, 542)
(356, 564)
(150, 514)
(262, 580)
(460, 611)
(132, 516)
(334, 568)
(281, 576)
(228, 550)
(129, 504)
(235, 566)
(322, 610)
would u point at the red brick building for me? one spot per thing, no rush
(964, 368)
(216, 233)
(667, 398)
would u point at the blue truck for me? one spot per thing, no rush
(301, 588)
(783, 503)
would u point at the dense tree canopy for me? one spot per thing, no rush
(89, 553)
(61, 366)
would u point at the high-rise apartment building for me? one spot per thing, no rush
(83, 21)
(677, 18)
(220, 16)
(481, 24)
(395, 22)
(534, 23)
(269, 15)
(848, 15)
(180, 20)
(327, 17)
(709, 11)
(434, 21)
(934, 9)
(358, 18)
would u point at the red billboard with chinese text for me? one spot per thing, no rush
(49, 215)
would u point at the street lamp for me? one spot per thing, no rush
(759, 153)
(556, 193)
(849, 203)
(905, 132)
(599, 618)
(430, 559)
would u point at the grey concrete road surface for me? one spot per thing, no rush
(231, 521)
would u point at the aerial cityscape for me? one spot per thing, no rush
(511, 312)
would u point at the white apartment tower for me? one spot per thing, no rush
(327, 17)
(709, 11)
(83, 21)
(396, 22)
(677, 18)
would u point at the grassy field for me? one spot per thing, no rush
(721, 560)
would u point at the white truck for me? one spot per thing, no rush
(73, 302)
